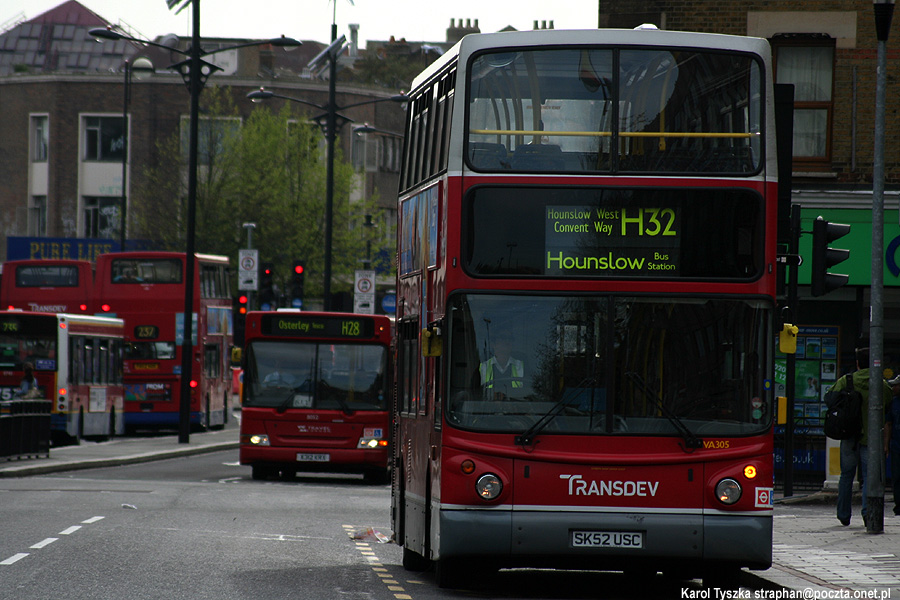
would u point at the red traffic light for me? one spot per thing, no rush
(298, 269)
(242, 299)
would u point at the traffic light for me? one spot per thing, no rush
(238, 319)
(298, 272)
(824, 257)
(267, 286)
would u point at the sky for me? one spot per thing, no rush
(416, 20)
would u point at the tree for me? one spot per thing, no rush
(271, 171)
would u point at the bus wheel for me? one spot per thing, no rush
(80, 432)
(450, 572)
(725, 577)
(112, 423)
(377, 476)
(260, 472)
(413, 561)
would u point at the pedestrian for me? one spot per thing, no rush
(28, 387)
(854, 451)
(895, 442)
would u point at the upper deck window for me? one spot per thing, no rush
(615, 110)
(146, 270)
(46, 276)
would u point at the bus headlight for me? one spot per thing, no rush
(256, 439)
(728, 491)
(488, 486)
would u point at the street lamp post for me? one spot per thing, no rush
(194, 72)
(884, 10)
(140, 67)
(250, 227)
(330, 122)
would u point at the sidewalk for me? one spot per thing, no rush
(122, 451)
(813, 554)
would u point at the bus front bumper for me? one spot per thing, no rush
(523, 536)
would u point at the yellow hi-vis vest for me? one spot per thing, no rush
(516, 368)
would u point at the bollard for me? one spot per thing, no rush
(6, 420)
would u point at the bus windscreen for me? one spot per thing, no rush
(287, 374)
(609, 365)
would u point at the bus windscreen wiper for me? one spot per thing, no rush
(289, 399)
(526, 438)
(690, 440)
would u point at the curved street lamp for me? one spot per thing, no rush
(330, 121)
(139, 69)
(194, 72)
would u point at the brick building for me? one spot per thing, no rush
(61, 107)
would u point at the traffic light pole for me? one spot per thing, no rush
(875, 418)
(791, 358)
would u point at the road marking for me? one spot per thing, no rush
(92, 520)
(47, 541)
(366, 551)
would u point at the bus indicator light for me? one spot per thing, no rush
(467, 466)
(749, 471)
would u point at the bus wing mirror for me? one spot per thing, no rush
(432, 341)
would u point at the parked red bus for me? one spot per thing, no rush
(77, 365)
(586, 282)
(53, 286)
(147, 290)
(316, 394)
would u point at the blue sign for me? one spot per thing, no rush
(389, 303)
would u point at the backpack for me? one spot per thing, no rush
(843, 415)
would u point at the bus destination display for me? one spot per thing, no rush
(319, 326)
(585, 240)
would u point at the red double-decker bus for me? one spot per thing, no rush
(316, 394)
(47, 285)
(586, 283)
(147, 290)
(76, 364)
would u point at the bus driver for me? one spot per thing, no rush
(501, 372)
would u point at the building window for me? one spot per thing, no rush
(212, 136)
(807, 62)
(40, 138)
(37, 216)
(104, 139)
(101, 217)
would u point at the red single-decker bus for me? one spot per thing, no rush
(316, 394)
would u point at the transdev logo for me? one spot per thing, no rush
(578, 486)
